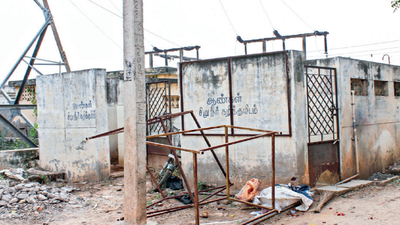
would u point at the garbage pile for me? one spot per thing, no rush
(285, 195)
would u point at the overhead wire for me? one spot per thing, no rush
(265, 11)
(115, 6)
(143, 29)
(228, 18)
(297, 15)
(105, 9)
(96, 25)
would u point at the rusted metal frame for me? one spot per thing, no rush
(250, 129)
(116, 131)
(172, 147)
(155, 181)
(208, 144)
(177, 161)
(168, 211)
(170, 116)
(249, 203)
(269, 214)
(196, 193)
(236, 142)
(164, 211)
(227, 163)
(262, 217)
(161, 200)
(185, 131)
(211, 195)
(230, 93)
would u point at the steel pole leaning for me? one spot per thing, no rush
(196, 194)
(208, 143)
(177, 161)
(227, 164)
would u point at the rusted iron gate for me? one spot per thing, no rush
(323, 124)
(158, 99)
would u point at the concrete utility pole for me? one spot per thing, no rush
(134, 112)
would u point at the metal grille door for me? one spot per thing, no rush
(158, 98)
(323, 123)
(321, 104)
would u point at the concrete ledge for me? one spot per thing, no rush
(20, 158)
(353, 185)
(356, 184)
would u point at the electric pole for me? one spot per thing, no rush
(134, 113)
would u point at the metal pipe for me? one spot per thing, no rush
(155, 181)
(208, 143)
(196, 193)
(227, 163)
(177, 161)
(353, 109)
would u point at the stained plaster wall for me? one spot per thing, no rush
(378, 118)
(73, 106)
(261, 83)
(21, 158)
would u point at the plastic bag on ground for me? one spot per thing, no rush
(283, 198)
(250, 190)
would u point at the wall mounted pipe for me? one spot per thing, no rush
(353, 109)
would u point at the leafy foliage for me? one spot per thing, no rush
(395, 5)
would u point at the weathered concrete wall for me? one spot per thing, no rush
(21, 158)
(378, 118)
(73, 106)
(260, 91)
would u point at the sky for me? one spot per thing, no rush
(91, 31)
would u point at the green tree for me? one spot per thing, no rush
(395, 5)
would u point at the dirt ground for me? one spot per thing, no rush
(103, 204)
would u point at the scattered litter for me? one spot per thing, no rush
(283, 198)
(185, 199)
(204, 214)
(174, 183)
(249, 191)
(303, 189)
